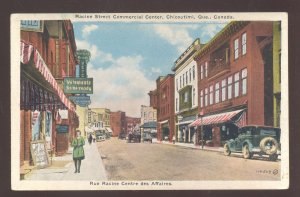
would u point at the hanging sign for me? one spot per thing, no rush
(78, 85)
(82, 101)
(62, 128)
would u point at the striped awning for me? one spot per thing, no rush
(216, 118)
(26, 53)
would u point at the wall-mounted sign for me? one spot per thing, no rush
(32, 25)
(82, 101)
(39, 154)
(78, 85)
(62, 128)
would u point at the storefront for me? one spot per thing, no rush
(217, 128)
(185, 133)
(41, 98)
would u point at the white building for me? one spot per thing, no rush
(148, 114)
(186, 92)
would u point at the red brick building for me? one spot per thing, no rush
(48, 51)
(117, 122)
(162, 99)
(132, 123)
(235, 80)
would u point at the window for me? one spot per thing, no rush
(229, 95)
(180, 81)
(244, 43)
(190, 73)
(206, 97)
(201, 98)
(186, 97)
(183, 80)
(223, 89)
(201, 72)
(236, 48)
(186, 77)
(244, 81)
(194, 96)
(217, 92)
(211, 94)
(236, 84)
(206, 69)
(176, 104)
(176, 84)
(193, 72)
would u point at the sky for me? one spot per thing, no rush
(127, 58)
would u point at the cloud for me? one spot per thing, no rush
(155, 70)
(122, 86)
(87, 29)
(176, 35)
(211, 30)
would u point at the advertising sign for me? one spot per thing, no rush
(39, 154)
(62, 128)
(82, 101)
(32, 25)
(78, 85)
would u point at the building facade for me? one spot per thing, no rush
(186, 93)
(48, 54)
(100, 118)
(132, 124)
(165, 107)
(117, 122)
(148, 114)
(235, 81)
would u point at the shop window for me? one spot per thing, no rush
(217, 92)
(201, 98)
(206, 97)
(229, 92)
(211, 93)
(223, 89)
(244, 81)
(236, 84)
(236, 48)
(244, 43)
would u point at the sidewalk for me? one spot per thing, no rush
(63, 168)
(189, 145)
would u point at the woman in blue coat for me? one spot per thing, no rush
(78, 151)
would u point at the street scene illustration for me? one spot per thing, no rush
(112, 101)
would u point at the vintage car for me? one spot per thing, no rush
(147, 137)
(253, 139)
(100, 135)
(133, 137)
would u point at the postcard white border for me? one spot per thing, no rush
(17, 184)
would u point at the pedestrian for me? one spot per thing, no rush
(90, 139)
(78, 151)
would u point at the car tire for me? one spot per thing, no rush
(246, 152)
(227, 151)
(264, 142)
(273, 157)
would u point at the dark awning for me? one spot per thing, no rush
(149, 125)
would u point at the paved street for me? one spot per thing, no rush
(145, 161)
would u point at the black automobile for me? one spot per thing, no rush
(253, 139)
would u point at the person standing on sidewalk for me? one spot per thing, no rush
(78, 151)
(90, 139)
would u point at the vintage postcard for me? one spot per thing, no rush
(149, 101)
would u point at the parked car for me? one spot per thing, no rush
(122, 135)
(133, 137)
(147, 137)
(261, 140)
(100, 135)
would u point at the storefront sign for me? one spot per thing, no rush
(39, 154)
(82, 101)
(32, 25)
(62, 128)
(78, 85)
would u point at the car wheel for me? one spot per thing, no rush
(227, 151)
(273, 157)
(246, 152)
(269, 145)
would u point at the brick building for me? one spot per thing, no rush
(163, 98)
(235, 80)
(117, 122)
(47, 55)
(132, 124)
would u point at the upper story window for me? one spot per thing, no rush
(206, 69)
(217, 92)
(183, 80)
(236, 84)
(201, 98)
(186, 77)
(180, 82)
(194, 94)
(229, 95)
(244, 81)
(244, 43)
(236, 48)
(201, 71)
(190, 74)
(211, 93)
(186, 97)
(224, 89)
(206, 97)
(193, 72)
(176, 84)
(176, 104)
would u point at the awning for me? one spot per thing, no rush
(108, 130)
(40, 65)
(151, 124)
(216, 118)
(163, 122)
